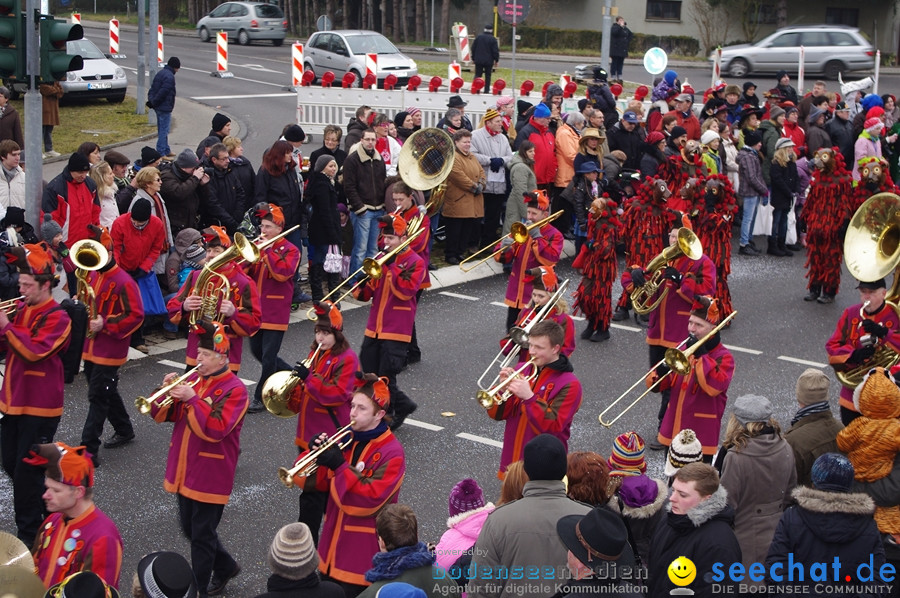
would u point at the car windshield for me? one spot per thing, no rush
(371, 44)
(269, 11)
(84, 48)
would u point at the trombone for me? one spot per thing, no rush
(161, 397)
(263, 245)
(9, 306)
(518, 232)
(500, 392)
(307, 466)
(371, 267)
(276, 391)
(677, 360)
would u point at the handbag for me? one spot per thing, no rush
(791, 237)
(333, 260)
(151, 295)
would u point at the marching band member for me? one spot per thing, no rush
(359, 481)
(685, 280)
(699, 397)
(273, 275)
(542, 248)
(33, 341)
(548, 404)
(860, 329)
(544, 284)
(392, 315)
(407, 207)
(120, 311)
(322, 401)
(208, 412)
(241, 311)
(77, 536)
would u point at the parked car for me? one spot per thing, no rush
(345, 52)
(100, 77)
(828, 49)
(246, 22)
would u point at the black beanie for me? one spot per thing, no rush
(545, 458)
(294, 134)
(78, 162)
(219, 121)
(140, 211)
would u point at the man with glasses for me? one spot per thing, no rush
(225, 188)
(364, 184)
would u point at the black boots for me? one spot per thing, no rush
(814, 292)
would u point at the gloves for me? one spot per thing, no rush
(875, 328)
(332, 458)
(638, 278)
(672, 274)
(496, 164)
(148, 104)
(422, 210)
(300, 370)
(662, 369)
(506, 242)
(861, 355)
(478, 189)
(535, 233)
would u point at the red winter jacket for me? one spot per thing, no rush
(135, 248)
(544, 150)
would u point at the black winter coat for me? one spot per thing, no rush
(183, 194)
(841, 132)
(627, 141)
(485, 50)
(308, 587)
(619, 38)
(785, 183)
(355, 130)
(283, 191)
(324, 221)
(602, 99)
(886, 493)
(226, 190)
(245, 173)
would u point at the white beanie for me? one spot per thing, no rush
(708, 137)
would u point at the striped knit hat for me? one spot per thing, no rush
(489, 114)
(686, 448)
(293, 554)
(627, 456)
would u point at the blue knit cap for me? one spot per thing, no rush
(832, 471)
(870, 101)
(670, 77)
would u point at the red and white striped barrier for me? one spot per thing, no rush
(222, 57)
(801, 71)
(296, 64)
(717, 67)
(463, 50)
(76, 18)
(454, 71)
(564, 80)
(372, 67)
(114, 37)
(160, 55)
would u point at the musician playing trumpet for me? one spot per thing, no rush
(545, 404)
(203, 454)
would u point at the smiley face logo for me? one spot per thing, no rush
(682, 571)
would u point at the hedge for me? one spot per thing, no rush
(550, 37)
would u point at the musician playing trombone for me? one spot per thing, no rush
(544, 284)
(273, 275)
(208, 412)
(412, 212)
(698, 397)
(544, 403)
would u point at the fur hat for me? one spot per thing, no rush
(292, 554)
(627, 457)
(466, 495)
(65, 464)
(78, 162)
(732, 89)
(166, 575)
(685, 448)
(219, 121)
(50, 228)
(271, 212)
(543, 278)
(216, 236)
(753, 408)
(213, 337)
(812, 387)
(545, 458)
(327, 308)
(832, 471)
(83, 584)
(31, 259)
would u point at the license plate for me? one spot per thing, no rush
(99, 85)
(399, 74)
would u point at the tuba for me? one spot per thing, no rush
(425, 162)
(642, 298)
(872, 251)
(213, 287)
(277, 389)
(88, 255)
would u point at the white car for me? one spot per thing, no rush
(100, 78)
(345, 51)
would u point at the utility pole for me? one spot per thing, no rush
(142, 57)
(33, 114)
(607, 27)
(154, 65)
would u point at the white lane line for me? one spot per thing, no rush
(623, 327)
(245, 96)
(499, 304)
(425, 425)
(578, 318)
(743, 350)
(481, 439)
(171, 364)
(247, 382)
(240, 79)
(814, 364)
(458, 296)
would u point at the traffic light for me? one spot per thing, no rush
(55, 62)
(12, 40)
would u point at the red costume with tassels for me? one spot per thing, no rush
(678, 169)
(715, 222)
(597, 263)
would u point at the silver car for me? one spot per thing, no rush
(345, 52)
(246, 22)
(100, 77)
(828, 49)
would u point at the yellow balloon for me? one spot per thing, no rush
(682, 571)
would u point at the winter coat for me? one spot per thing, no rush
(886, 493)
(429, 579)
(12, 193)
(544, 150)
(785, 184)
(730, 164)
(566, 150)
(619, 38)
(324, 221)
(771, 133)
(578, 193)
(627, 141)
(602, 99)
(841, 132)
(485, 50)
(816, 138)
(162, 91)
(486, 146)
(158, 209)
(522, 179)
(355, 129)
(824, 526)
(72, 205)
(308, 587)
(650, 163)
(183, 195)
(752, 181)
(226, 190)
(759, 479)
(338, 154)
(865, 147)
(611, 168)
(811, 437)
(242, 167)
(137, 249)
(642, 521)
(789, 93)
(459, 201)
(50, 94)
(364, 180)
(282, 190)
(11, 126)
(461, 535)
(183, 240)
(704, 534)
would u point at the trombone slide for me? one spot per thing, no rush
(500, 392)
(518, 233)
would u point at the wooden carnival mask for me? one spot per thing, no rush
(824, 160)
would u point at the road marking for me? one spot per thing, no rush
(425, 425)
(481, 439)
(624, 327)
(743, 350)
(814, 364)
(499, 304)
(578, 318)
(458, 296)
(206, 71)
(257, 67)
(247, 382)
(171, 364)
(246, 96)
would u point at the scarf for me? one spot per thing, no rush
(491, 133)
(361, 439)
(383, 147)
(392, 564)
(819, 407)
(10, 174)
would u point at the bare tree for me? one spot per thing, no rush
(420, 20)
(404, 23)
(748, 11)
(712, 23)
(443, 32)
(781, 14)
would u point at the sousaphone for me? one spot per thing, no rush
(425, 161)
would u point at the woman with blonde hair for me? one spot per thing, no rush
(785, 186)
(102, 175)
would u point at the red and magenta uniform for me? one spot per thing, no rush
(557, 397)
(206, 439)
(543, 251)
(845, 340)
(89, 542)
(323, 399)
(119, 302)
(244, 322)
(420, 244)
(393, 297)
(560, 317)
(273, 274)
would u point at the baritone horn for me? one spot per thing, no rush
(276, 392)
(88, 255)
(518, 232)
(307, 466)
(642, 297)
(678, 361)
(212, 286)
(424, 163)
(500, 392)
(161, 397)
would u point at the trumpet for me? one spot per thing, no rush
(307, 466)
(9, 306)
(518, 232)
(642, 297)
(500, 392)
(276, 392)
(677, 360)
(161, 397)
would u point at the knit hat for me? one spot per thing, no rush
(294, 134)
(335, 318)
(874, 112)
(489, 114)
(271, 212)
(751, 138)
(400, 118)
(784, 142)
(596, 538)
(292, 554)
(15, 216)
(877, 396)
(752, 408)
(814, 114)
(542, 111)
(543, 278)
(399, 589)
(323, 161)
(670, 77)
(216, 236)
(50, 228)
(873, 126)
(627, 457)
(775, 112)
(83, 584)
(748, 85)
(212, 336)
(78, 162)
(655, 137)
(31, 259)
(174, 62)
(780, 74)
(412, 110)
(219, 121)
(685, 448)
(812, 387)
(677, 131)
(114, 158)
(832, 471)
(65, 464)
(638, 491)
(195, 253)
(545, 458)
(166, 575)
(392, 224)
(149, 155)
(708, 137)
(465, 496)
(187, 160)
(140, 211)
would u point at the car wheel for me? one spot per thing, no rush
(243, 38)
(833, 69)
(738, 68)
(116, 99)
(277, 42)
(204, 34)
(358, 82)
